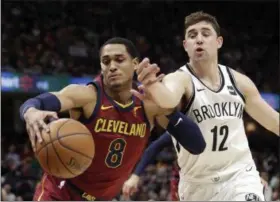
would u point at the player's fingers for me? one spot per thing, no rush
(36, 128)
(137, 94)
(51, 115)
(44, 126)
(155, 79)
(141, 88)
(149, 71)
(31, 134)
(160, 77)
(126, 192)
(142, 65)
(132, 191)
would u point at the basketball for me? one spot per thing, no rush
(67, 150)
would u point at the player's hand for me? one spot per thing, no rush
(130, 186)
(142, 93)
(35, 122)
(264, 183)
(147, 73)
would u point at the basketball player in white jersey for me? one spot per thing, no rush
(216, 96)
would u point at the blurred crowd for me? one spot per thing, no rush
(63, 37)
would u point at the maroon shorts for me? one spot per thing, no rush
(51, 189)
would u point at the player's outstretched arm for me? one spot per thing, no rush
(150, 153)
(181, 127)
(36, 110)
(130, 186)
(255, 105)
(168, 93)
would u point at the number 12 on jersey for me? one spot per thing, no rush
(220, 134)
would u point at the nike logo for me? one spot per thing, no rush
(249, 169)
(198, 90)
(179, 120)
(106, 107)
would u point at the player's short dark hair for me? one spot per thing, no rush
(202, 16)
(130, 47)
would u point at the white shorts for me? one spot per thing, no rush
(245, 186)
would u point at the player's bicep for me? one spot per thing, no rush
(75, 96)
(256, 106)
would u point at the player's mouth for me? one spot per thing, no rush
(113, 76)
(199, 50)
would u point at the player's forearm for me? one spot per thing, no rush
(275, 125)
(163, 96)
(45, 101)
(186, 132)
(265, 115)
(151, 152)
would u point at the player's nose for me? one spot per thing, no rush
(199, 39)
(113, 67)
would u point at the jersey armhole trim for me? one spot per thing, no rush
(97, 105)
(233, 81)
(190, 101)
(145, 115)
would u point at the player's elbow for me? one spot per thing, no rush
(186, 132)
(195, 143)
(199, 148)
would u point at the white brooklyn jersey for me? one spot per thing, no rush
(219, 116)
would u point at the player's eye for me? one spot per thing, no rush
(193, 35)
(105, 61)
(206, 34)
(119, 60)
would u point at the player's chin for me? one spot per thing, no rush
(200, 58)
(116, 84)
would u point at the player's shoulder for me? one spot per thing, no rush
(180, 75)
(79, 87)
(238, 75)
(241, 80)
(77, 91)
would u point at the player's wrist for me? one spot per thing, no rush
(135, 178)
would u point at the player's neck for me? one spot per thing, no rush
(121, 95)
(206, 69)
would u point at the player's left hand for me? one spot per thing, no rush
(130, 186)
(264, 183)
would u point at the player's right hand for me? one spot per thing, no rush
(35, 122)
(130, 186)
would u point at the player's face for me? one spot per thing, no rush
(117, 66)
(201, 42)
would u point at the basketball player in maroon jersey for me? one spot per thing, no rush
(120, 124)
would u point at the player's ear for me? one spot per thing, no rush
(185, 45)
(220, 41)
(135, 63)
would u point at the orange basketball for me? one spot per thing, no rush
(67, 151)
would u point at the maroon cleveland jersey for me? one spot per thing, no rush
(120, 134)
